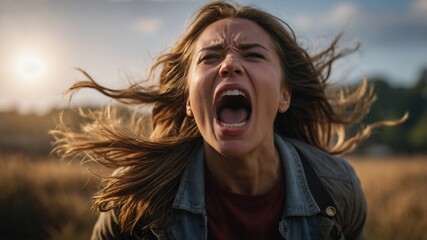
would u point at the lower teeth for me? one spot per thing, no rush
(233, 125)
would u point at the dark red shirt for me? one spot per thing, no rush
(236, 216)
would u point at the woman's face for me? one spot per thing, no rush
(235, 87)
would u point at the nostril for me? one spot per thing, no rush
(224, 73)
(231, 67)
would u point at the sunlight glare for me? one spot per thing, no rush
(30, 67)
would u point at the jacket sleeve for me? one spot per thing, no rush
(354, 227)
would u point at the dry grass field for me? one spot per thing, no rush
(50, 199)
(45, 199)
(396, 191)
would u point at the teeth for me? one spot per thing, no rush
(232, 92)
(233, 125)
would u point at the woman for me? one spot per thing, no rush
(242, 141)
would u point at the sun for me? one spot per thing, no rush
(30, 67)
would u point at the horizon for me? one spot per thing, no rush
(43, 41)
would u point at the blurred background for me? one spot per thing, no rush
(42, 42)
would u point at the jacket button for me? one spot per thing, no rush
(331, 211)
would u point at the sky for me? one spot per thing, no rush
(42, 42)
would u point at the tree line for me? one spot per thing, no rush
(392, 103)
(28, 134)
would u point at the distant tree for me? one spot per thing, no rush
(392, 103)
(418, 135)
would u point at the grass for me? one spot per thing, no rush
(396, 191)
(45, 199)
(50, 199)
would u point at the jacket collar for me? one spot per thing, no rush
(299, 201)
(191, 191)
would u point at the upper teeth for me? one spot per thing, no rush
(232, 92)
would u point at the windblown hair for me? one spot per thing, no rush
(149, 166)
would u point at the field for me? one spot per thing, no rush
(50, 199)
(45, 199)
(396, 190)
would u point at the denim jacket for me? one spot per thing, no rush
(301, 219)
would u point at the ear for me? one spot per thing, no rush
(285, 100)
(188, 109)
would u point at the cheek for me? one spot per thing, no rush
(271, 85)
(195, 90)
(193, 82)
(201, 83)
(198, 88)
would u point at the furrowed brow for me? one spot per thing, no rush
(214, 47)
(247, 46)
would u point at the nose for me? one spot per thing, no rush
(230, 66)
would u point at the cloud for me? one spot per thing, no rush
(420, 5)
(148, 26)
(419, 9)
(120, 1)
(171, 0)
(338, 16)
(124, 1)
(383, 27)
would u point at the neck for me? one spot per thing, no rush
(252, 174)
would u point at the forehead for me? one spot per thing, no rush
(234, 31)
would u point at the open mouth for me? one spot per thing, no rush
(233, 109)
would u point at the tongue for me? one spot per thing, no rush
(229, 115)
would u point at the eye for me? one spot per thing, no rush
(254, 55)
(208, 58)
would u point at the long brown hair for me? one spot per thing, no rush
(150, 165)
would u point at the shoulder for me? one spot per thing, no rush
(342, 182)
(336, 173)
(325, 164)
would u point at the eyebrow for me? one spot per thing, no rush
(246, 46)
(242, 46)
(217, 46)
